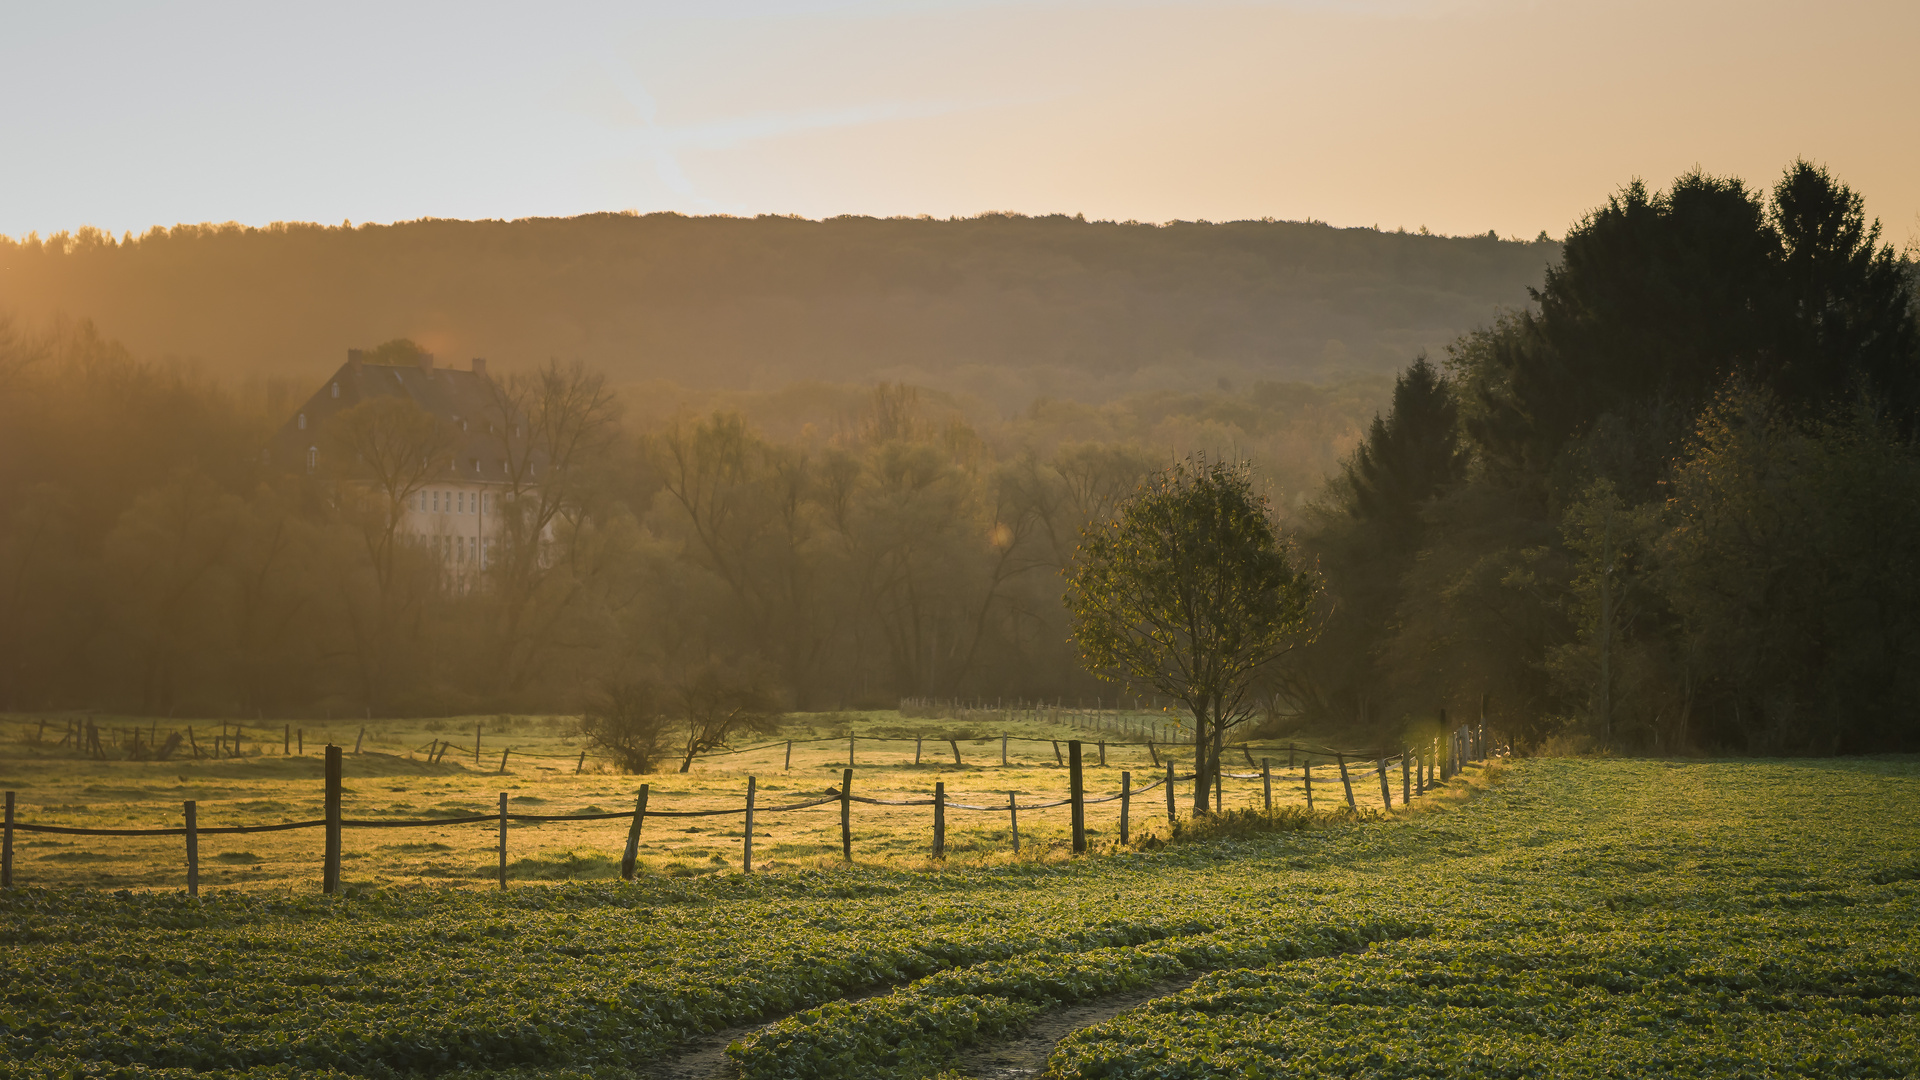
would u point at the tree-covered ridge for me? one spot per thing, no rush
(1005, 307)
(1684, 517)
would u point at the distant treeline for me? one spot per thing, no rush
(1001, 307)
(819, 546)
(1672, 505)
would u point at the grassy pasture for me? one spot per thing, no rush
(1574, 919)
(391, 778)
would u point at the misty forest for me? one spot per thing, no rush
(1651, 488)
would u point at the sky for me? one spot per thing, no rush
(1459, 115)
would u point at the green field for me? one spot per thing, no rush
(1576, 918)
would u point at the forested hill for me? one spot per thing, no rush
(1004, 306)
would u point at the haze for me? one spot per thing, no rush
(1461, 116)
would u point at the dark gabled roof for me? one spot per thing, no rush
(462, 398)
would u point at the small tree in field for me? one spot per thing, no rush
(1191, 592)
(716, 703)
(628, 721)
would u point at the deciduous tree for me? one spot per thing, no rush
(1192, 592)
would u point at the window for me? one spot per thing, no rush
(336, 389)
(476, 465)
(463, 502)
(313, 457)
(302, 422)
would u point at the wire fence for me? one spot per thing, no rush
(1417, 774)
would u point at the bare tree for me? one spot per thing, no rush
(383, 451)
(550, 425)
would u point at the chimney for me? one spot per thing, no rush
(426, 363)
(354, 358)
(480, 366)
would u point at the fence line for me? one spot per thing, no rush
(86, 734)
(1468, 742)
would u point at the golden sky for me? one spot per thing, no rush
(1460, 115)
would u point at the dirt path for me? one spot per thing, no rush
(1024, 1055)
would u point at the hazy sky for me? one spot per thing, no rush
(1461, 115)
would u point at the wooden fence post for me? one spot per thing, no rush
(357, 739)
(849, 750)
(193, 848)
(788, 767)
(1003, 749)
(1266, 782)
(1170, 807)
(1077, 796)
(846, 814)
(286, 742)
(299, 741)
(1126, 799)
(330, 875)
(6, 847)
(1013, 820)
(1056, 753)
(1346, 782)
(476, 746)
(503, 839)
(955, 743)
(939, 819)
(1386, 792)
(1406, 775)
(633, 835)
(1103, 753)
(1306, 780)
(916, 749)
(1153, 753)
(503, 759)
(581, 764)
(192, 742)
(746, 853)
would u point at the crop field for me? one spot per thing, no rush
(1539, 918)
(391, 777)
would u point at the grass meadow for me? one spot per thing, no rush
(1539, 918)
(391, 777)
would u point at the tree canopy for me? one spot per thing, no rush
(1191, 592)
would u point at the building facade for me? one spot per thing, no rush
(454, 512)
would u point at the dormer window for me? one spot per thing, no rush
(313, 457)
(476, 466)
(336, 389)
(302, 421)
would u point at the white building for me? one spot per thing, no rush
(454, 513)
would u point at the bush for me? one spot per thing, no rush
(628, 721)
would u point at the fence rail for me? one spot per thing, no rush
(1417, 774)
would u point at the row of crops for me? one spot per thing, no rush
(1581, 919)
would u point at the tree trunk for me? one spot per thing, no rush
(1202, 750)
